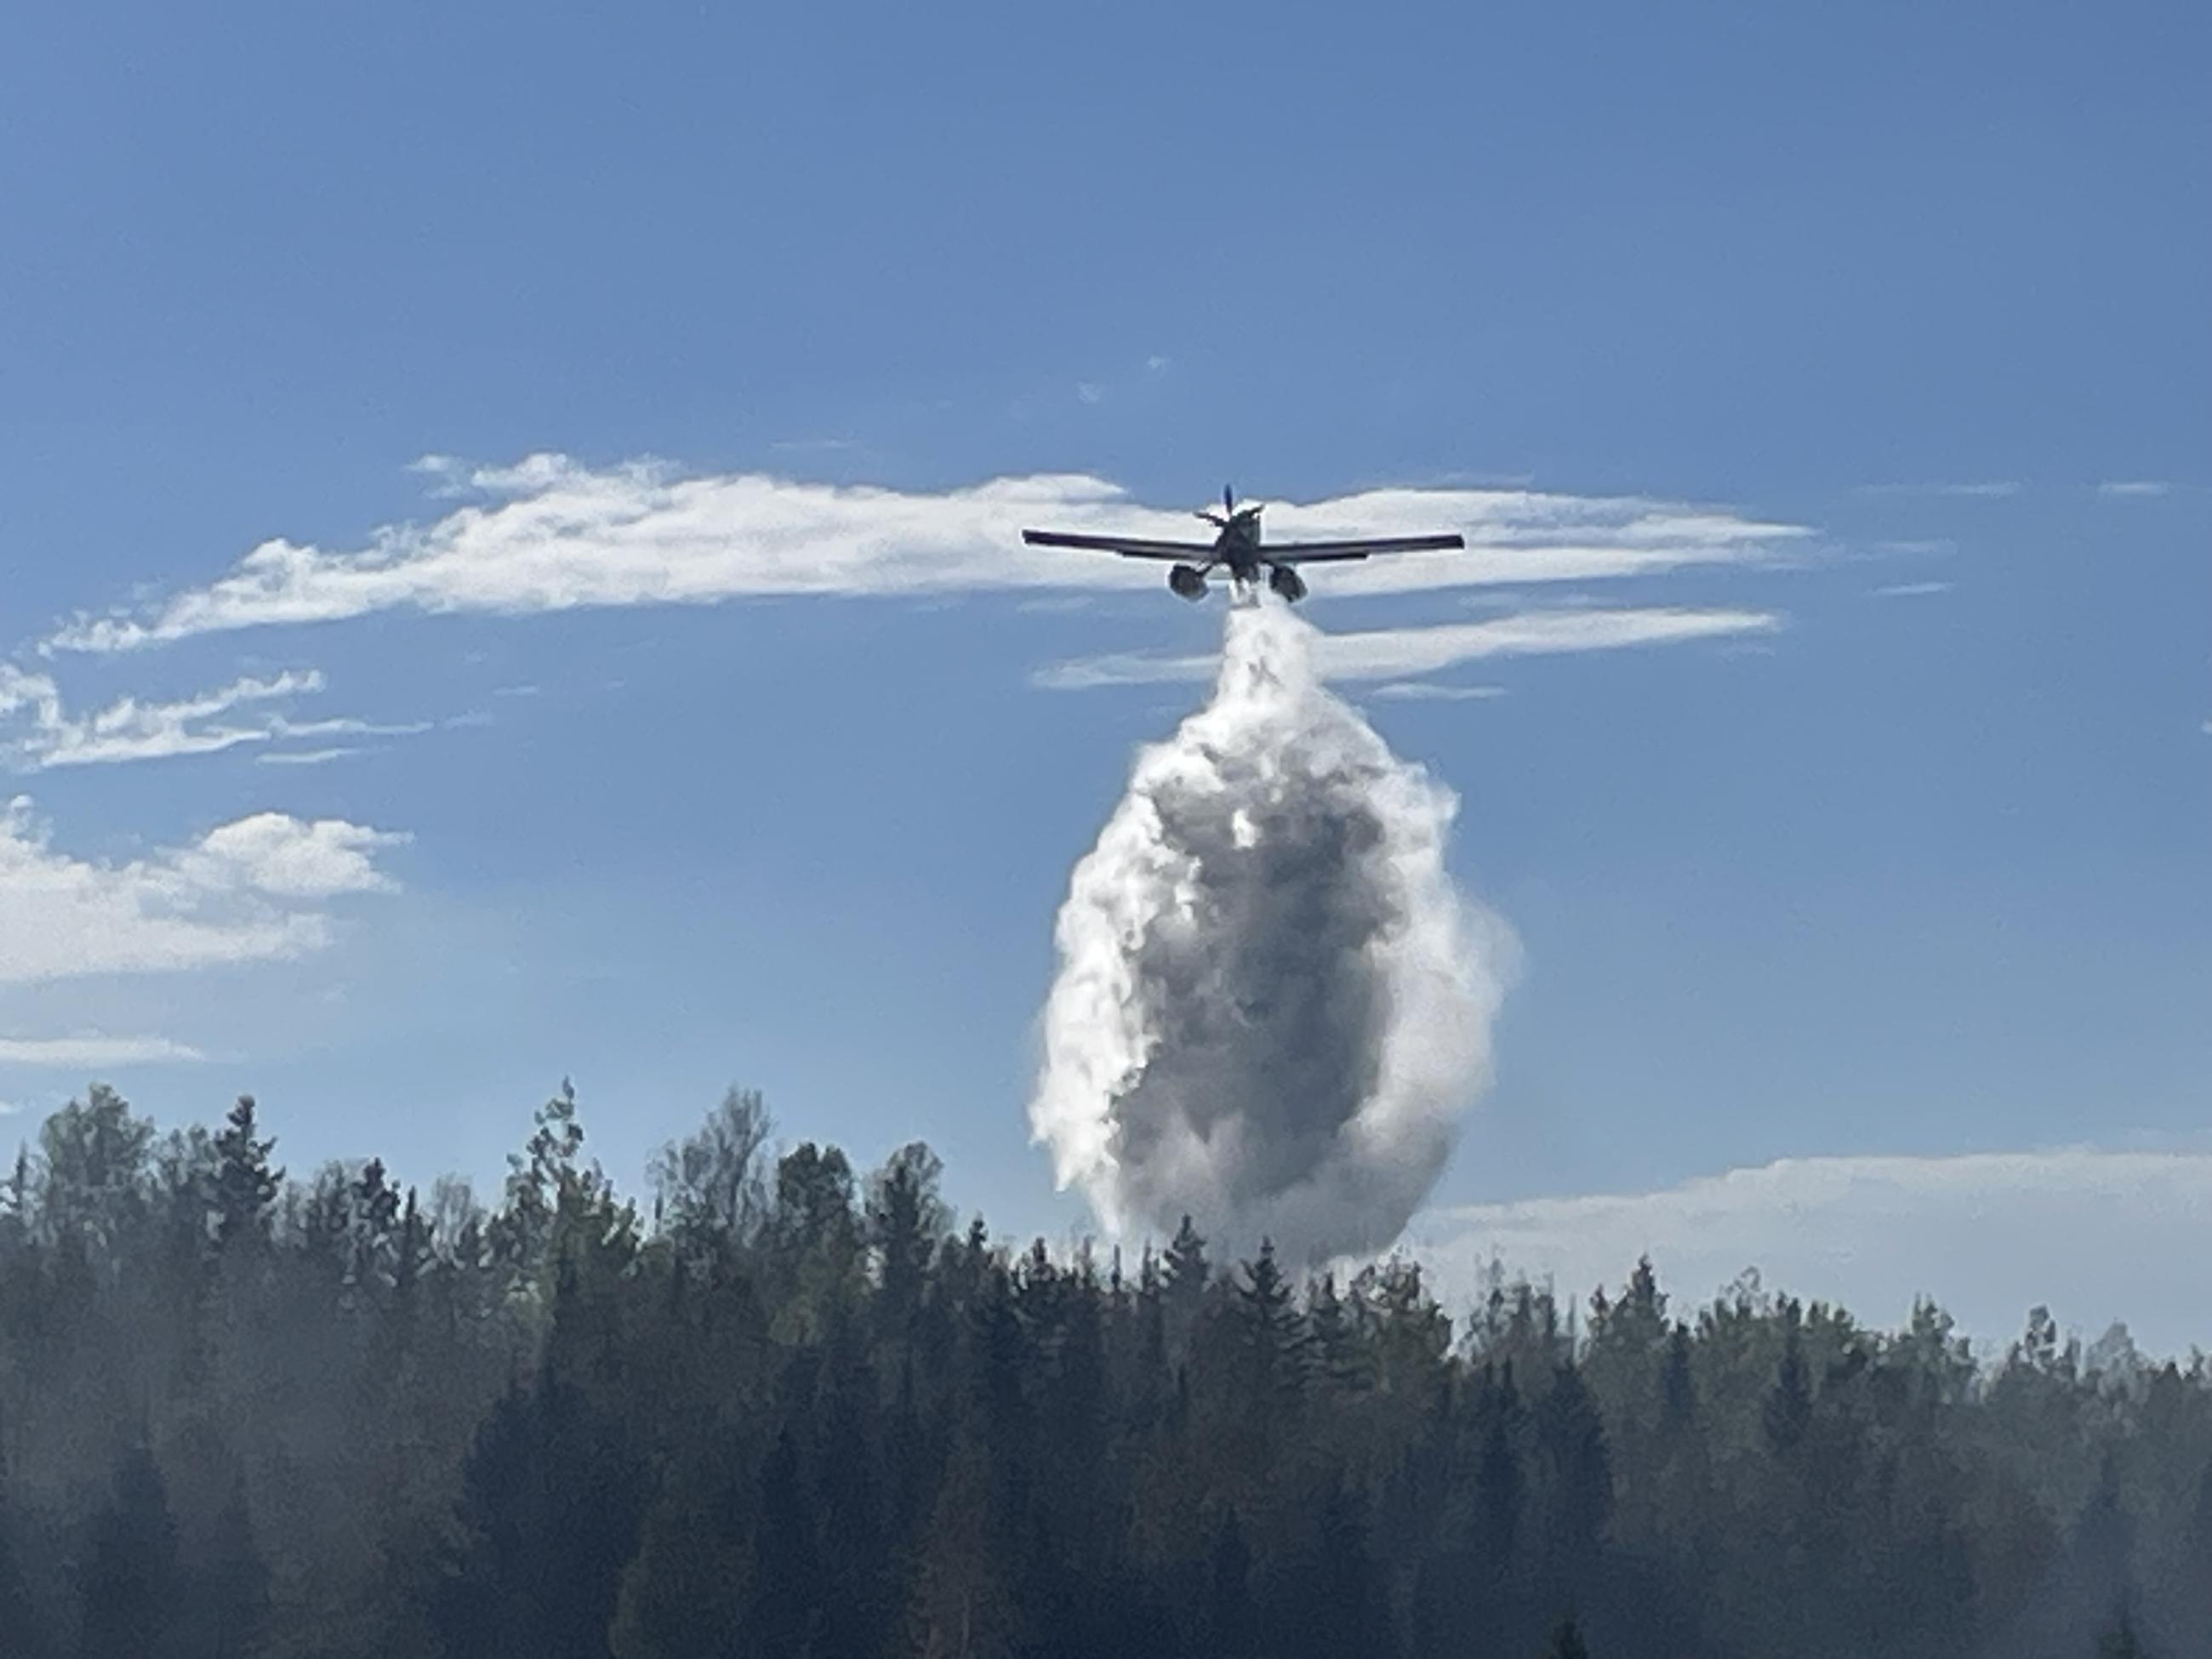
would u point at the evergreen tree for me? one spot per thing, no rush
(2119, 1640)
(905, 1219)
(790, 1588)
(1268, 1333)
(19, 1617)
(1567, 1641)
(127, 1590)
(223, 1609)
(686, 1590)
(1571, 1441)
(1678, 1394)
(1789, 1402)
(1228, 1622)
(1184, 1277)
(246, 1186)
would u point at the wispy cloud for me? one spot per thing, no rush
(38, 731)
(247, 890)
(90, 1051)
(552, 534)
(1911, 590)
(2095, 1235)
(346, 725)
(304, 756)
(1401, 654)
(515, 691)
(1989, 488)
(1432, 691)
(1088, 392)
(2124, 488)
(129, 729)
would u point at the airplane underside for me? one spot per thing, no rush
(1190, 581)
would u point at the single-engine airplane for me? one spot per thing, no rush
(1238, 546)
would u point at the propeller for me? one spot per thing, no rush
(1229, 506)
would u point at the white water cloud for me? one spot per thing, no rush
(2123, 488)
(552, 534)
(1397, 654)
(2096, 1236)
(246, 891)
(91, 1051)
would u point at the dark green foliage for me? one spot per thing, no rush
(800, 1412)
(127, 1590)
(246, 1186)
(2120, 1641)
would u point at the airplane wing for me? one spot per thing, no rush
(1322, 552)
(1129, 546)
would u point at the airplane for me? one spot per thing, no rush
(1239, 547)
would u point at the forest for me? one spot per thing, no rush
(779, 1406)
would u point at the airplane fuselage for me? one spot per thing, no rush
(1237, 547)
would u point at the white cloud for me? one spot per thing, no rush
(1911, 590)
(47, 735)
(1397, 654)
(304, 756)
(2123, 488)
(552, 534)
(1989, 490)
(243, 892)
(91, 1051)
(2096, 1236)
(1155, 362)
(1088, 392)
(131, 729)
(347, 727)
(1432, 691)
(514, 690)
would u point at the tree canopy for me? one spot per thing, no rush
(788, 1408)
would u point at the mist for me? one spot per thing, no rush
(1273, 1004)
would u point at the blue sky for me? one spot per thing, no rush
(1874, 343)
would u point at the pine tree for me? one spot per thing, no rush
(1789, 1408)
(1678, 1393)
(128, 1587)
(224, 1606)
(685, 1591)
(1268, 1332)
(1228, 1619)
(905, 1219)
(1571, 1441)
(19, 1615)
(245, 1184)
(790, 1588)
(1567, 1641)
(2119, 1640)
(1186, 1275)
